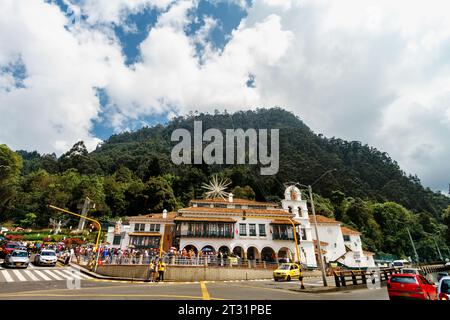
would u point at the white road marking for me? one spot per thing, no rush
(42, 275)
(7, 277)
(32, 276)
(51, 274)
(19, 275)
(72, 274)
(65, 276)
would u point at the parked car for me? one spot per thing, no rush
(46, 257)
(442, 274)
(287, 271)
(8, 247)
(443, 289)
(411, 271)
(411, 286)
(17, 259)
(400, 263)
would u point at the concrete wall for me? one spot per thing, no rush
(191, 273)
(183, 273)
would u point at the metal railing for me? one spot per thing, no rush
(210, 261)
(210, 234)
(355, 277)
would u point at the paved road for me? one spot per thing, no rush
(103, 289)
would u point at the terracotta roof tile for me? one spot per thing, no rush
(277, 221)
(154, 234)
(348, 231)
(236, 211)
(204, 219)
(235, 201)
(154, 216)
(322, 243)
(323, 219)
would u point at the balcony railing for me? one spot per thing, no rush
(211, 234)
(283, 236)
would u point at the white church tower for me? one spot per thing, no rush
(293, 203)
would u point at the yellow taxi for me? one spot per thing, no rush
(287, 271)
(233, 260)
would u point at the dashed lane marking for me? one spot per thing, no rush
(205, 293)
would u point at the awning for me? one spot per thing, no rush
(148, 234)
(205, 219)
(284, 222)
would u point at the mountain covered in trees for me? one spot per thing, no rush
(132, 173)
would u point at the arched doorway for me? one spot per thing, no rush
(238, 252)
(225, 251)
(285, 255)
(252, 253)
(190, 247)
(268, 254)
(208, 249)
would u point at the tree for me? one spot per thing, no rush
(10, 167)
(338, 201)
(244, 192)
(78, 158)
(159, 195)
(29, 221)
(446, 221)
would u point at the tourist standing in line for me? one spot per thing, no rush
(161, 269)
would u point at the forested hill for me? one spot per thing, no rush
(132, 173)
(362, 171)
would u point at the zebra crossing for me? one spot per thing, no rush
(35, 274)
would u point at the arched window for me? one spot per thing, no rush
(290, 209)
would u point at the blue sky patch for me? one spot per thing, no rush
(17, 70)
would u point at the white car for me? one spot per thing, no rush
(46, 257)
(17, 259)
(443, 289)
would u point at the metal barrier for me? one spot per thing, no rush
(355, 277)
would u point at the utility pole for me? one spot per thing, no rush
(322, 265)
(84, 210)
(437, 247)
(414, 247)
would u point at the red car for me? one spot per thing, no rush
(8, 248)
(411, 286)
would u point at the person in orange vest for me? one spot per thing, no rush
(161, 269)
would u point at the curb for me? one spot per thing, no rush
(140, 280)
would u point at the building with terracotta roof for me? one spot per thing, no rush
(344, 244)
(143, 232)
(249, 229)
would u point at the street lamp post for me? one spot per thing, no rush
(322, 264)
(90, 219)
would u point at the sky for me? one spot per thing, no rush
(372, 71)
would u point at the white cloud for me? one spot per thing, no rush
(56, 107)
(114, 11)
(376, 71)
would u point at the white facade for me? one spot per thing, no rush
(355, 256)
(262, 242)
(293, 202)
(146, 226)
(331, 233)
(343, 244)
